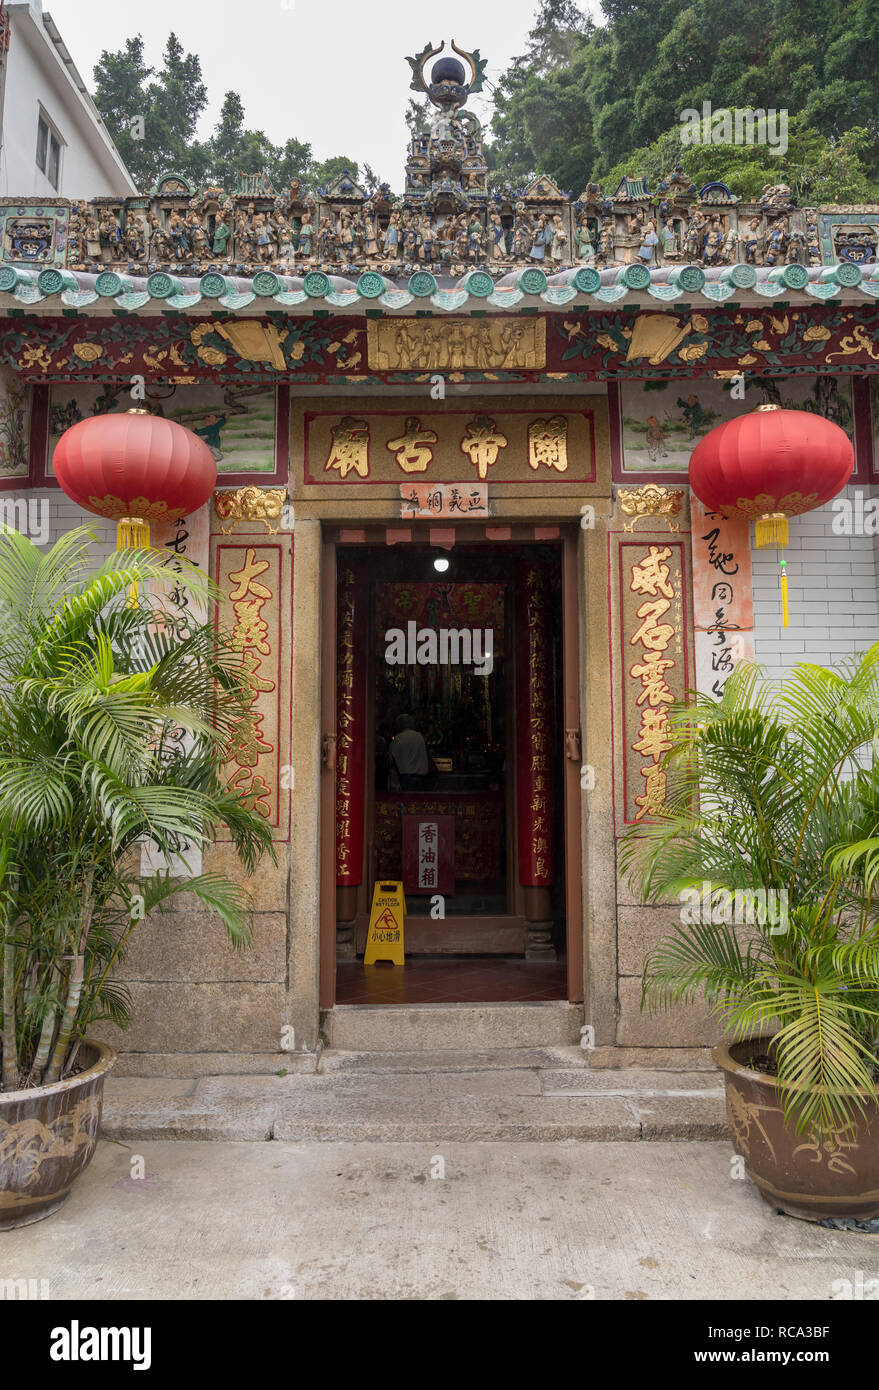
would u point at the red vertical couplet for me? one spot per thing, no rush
(350, 732)
(533, 727)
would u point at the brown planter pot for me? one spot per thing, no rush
(47, 1137)
(796, 1173)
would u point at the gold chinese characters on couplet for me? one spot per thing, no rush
(250, 580)
(654, 667)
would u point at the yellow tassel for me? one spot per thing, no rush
(785, 614)
(132, 534)
(771, 529)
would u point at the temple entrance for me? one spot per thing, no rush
(454, 761)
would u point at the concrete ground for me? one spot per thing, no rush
(425, 1221)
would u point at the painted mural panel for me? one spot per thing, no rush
(236, 421)
(663, 421)
(15, 409)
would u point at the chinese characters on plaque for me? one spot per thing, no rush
(723, 606)
(468, 445)
(429, 854)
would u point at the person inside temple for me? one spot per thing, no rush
(409, 755)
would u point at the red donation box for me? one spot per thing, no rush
(429, 854)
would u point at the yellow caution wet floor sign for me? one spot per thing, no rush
(384, 940)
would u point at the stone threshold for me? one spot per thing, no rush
(542, 1094)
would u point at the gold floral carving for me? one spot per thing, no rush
(858, 341)
(113, 508)
(250, 504)
(650, 500)
(792, 504)
(455, 343)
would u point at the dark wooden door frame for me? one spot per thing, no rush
(572, 789)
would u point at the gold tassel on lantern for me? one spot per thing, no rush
(132, 534)
(772, 529)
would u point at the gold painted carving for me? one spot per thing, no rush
(654, 336)
(651, 500)
(254, 341)
(250, 504)
(455, 343)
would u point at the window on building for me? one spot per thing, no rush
(48, 152)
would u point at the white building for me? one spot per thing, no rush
(53, 141)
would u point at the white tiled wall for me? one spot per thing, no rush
(63, 515)
(834, 604)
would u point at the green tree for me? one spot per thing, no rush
(169, 107)
(585, 102)
(324, 171)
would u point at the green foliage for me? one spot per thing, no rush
(171, 107)
(614, 90)
(775, 788)
(114, 721)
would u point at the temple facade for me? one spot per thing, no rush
(452, 428)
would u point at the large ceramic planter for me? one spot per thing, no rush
(47, 1137)
(796, 1173)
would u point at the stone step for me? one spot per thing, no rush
(455, 1027)
(569, 1061)
(436, 1107)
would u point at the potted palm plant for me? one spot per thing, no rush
(114, 717)
(769, 845)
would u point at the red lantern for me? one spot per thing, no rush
(770, 465)
(134, 468)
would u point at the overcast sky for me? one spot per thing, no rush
(332, 72)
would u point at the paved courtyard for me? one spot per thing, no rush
(311, 1220)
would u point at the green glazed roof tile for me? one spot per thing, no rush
(827, 290)
(236, 301)
(559, 294)
(609, 294)
(396, 299)
(188, 301)
(505, 299)
(449, 299)
(290, 297)
(78, 299)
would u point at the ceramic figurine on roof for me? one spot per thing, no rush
(447, 220)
